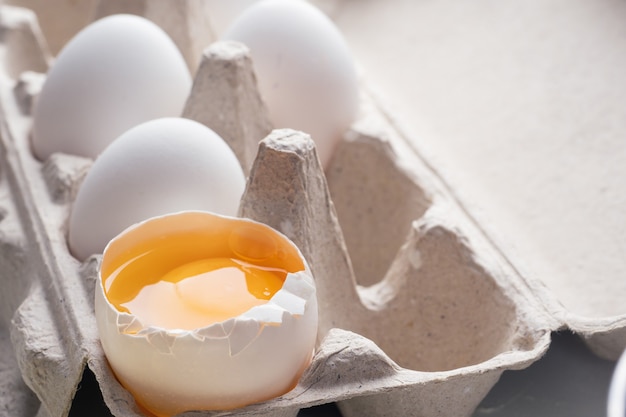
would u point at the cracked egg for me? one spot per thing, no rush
(198, 311)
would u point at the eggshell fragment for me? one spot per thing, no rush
(158, 167)
(116, 73)
(305, 71)
(256, 356)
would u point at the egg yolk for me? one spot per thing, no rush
(190, 281)
(203, 292)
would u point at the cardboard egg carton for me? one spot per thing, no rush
(419, 312)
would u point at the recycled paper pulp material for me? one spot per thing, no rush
(420, 313)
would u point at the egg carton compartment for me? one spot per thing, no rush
(419, 312)
(469, 83)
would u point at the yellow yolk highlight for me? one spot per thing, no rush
(200, 293)
(192, 279)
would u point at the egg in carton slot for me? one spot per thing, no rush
(419, 314)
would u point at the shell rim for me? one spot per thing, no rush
(298, 287)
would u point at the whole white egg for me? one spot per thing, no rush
(305, 72)
(114, 74)
(160, 166)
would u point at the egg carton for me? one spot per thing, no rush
(419, 312)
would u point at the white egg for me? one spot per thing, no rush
(161, 166)
(304, 69)
(114, 74)
(243, 359)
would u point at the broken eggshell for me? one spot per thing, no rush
(255, 356)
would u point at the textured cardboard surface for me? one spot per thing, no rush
(419, 312)
(519, 106)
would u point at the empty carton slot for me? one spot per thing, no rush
(376, 201)
(438, 309)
